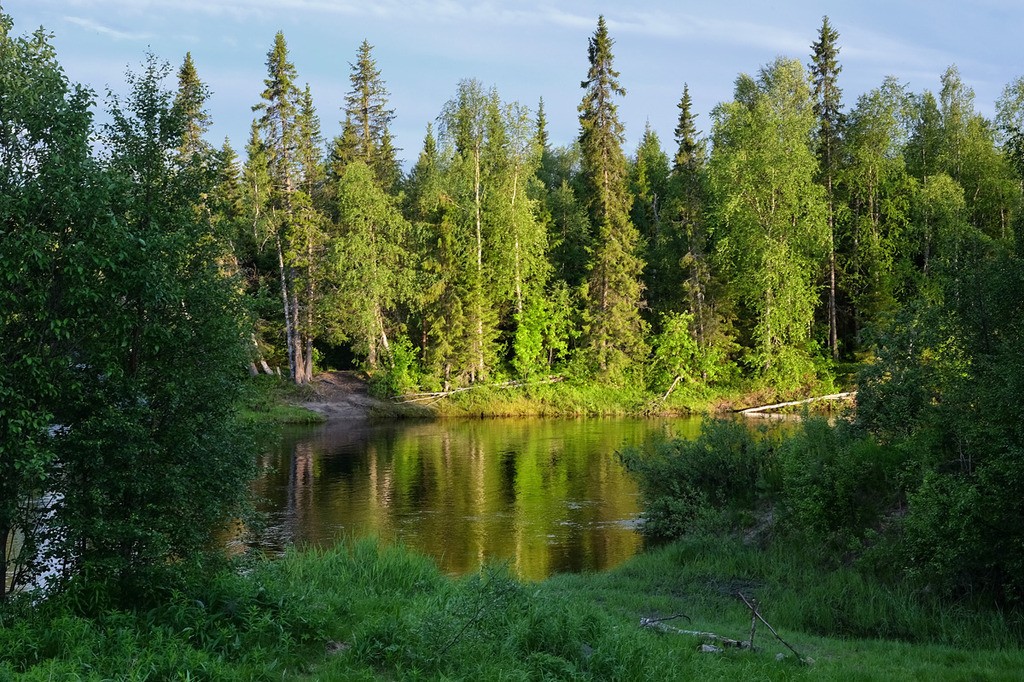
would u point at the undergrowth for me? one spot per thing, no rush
(365, 611)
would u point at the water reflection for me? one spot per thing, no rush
(546, 495)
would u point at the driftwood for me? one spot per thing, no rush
(659, 624)
(434, 397)
(833, 396)
(755, 616)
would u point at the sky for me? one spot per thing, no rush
(527, 49)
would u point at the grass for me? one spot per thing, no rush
(271, 400)
(568, 399)
(363, 612)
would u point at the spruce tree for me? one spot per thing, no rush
(189, 104)
(684, 251)
(824, 69)
(279, 138)
(616, 331)
(366, 111)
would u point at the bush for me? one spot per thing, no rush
(401, 374)
(836, 484)
(688, 486)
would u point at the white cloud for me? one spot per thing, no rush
(90, 25)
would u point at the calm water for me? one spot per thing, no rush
(545, 495)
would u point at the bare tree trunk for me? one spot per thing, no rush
(833, 335)
(515, 228)
(297, 337)
(286, 301)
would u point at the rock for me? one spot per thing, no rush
(333, 647)
(780, 657)
(709, 649)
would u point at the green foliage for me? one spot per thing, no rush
(945, 385)
(123, 314)
(369, 118)
(615, 331)
(400, 372)
(371, 266)
(678, 356)
(696, 486)
(152, 461)
(771, 215)
(50, 188)
(836, 485)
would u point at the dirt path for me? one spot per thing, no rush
(341, 395)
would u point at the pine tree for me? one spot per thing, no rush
(825, 69)
(614, 293)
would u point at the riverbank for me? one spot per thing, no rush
(365, 612)
(346, 396)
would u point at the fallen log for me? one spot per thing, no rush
(658, 624)
(791, 403)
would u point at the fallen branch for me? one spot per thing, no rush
(658, 624)
(755, 613)
(833, 396)
(671, 388)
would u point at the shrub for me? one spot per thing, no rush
(688, 486)
(836, 483)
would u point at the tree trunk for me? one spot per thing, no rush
(285, 300)
(5, 538)
(479, 269)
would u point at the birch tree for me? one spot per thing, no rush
(772, 215)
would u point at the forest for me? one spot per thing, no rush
(765, 251)
(144, 270)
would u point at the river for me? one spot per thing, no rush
(544, 495)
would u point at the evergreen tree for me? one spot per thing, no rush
(616, 330)
(371, 261)
(825, 69)
(288, 215)
(683, 253)
(190, 102)
(690, 150)
(542, 127)
(366, 111)
(648, 185)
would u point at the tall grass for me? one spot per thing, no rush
(366, 611)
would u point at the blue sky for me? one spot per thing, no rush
(527, 49)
